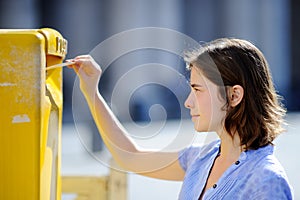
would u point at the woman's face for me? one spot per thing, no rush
(205, 103)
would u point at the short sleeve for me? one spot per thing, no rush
(187, 156)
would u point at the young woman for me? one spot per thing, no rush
(232, 94)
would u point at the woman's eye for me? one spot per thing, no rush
(195, 89)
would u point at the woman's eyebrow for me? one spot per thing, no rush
(196, 85)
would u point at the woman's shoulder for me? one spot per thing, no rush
(271, 169)
(265, 173)
(265, 166)
(270, 181)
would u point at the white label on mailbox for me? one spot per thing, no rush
(21, 119)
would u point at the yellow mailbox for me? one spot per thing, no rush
(30, 114)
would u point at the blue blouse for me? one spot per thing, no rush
(256, 175)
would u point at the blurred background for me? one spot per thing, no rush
(272, 25)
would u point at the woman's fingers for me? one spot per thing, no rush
(78, 62)
(74, 66)
(85, 64)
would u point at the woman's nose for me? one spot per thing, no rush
(189, 102)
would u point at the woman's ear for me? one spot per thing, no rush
(235, 95)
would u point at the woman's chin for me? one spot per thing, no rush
(200, 129)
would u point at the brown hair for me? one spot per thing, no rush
(227, 62)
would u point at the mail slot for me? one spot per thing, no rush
(30, 114)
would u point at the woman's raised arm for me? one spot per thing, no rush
(162, 165)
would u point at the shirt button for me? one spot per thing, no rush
(237, 162)
(215, 185)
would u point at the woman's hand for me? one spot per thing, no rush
(89, 73)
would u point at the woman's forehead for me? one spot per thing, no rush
(197, 76)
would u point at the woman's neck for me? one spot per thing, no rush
(230, 146)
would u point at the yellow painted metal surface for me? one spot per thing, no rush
(30, 114)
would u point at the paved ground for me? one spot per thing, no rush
(77, 161)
